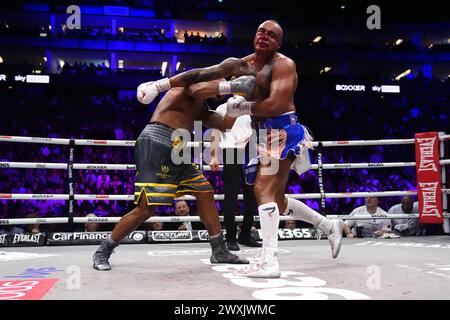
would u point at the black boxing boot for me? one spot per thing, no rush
(101, 256)
(221, 254)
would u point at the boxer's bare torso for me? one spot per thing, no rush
(178, 110)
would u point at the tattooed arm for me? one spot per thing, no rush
(214, 121)
(148, 91)
(227, 68)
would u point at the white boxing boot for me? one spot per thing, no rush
(332, 228)
(264, 266)
(334, 235)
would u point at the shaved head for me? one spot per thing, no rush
(268, 37)
(278, 25)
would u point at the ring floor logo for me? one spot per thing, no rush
(29, 289)
(11, 255)
(291, 286)
(34, 273)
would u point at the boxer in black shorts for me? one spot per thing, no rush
(159, 180)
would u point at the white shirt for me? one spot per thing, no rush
(239, 134)
(397, 209)
(369, 226)
(403, 224)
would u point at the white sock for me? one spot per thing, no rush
(301, 211)
(269, 219)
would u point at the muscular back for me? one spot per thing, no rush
(177, 109)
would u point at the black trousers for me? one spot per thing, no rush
(233, 175)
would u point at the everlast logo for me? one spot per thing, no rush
(428, 190)
(5, 196)
(4, 221)
(26, 238)
(171, 235)
(41, 139)
(426, 146)
(41, 166)
(131, 167)
(3, 239)
(4, 165)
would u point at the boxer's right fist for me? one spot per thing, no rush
(242, 86)
(237, 106)
(147, 92)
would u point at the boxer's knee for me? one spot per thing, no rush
(144, 210)
(259, 191)
(282, 203)
(264, 195)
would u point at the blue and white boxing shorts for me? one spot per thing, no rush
(278, 138)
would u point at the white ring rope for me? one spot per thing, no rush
(100, 166)
(121, 197)
(32, 165)
(189, 219)
(128, 143)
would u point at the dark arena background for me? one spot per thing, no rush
(373, 89)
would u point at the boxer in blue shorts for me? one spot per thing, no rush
(273, 106)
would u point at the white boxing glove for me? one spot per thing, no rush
(238, 106)
(148, 91)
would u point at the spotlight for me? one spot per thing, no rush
(403, 74)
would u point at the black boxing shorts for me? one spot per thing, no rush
(158, 179)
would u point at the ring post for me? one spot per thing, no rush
(443, 151)
(320, 175)
(70, 202)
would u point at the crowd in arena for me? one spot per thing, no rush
(102, 115)
(188, 37)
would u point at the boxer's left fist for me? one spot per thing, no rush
(242, 86)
